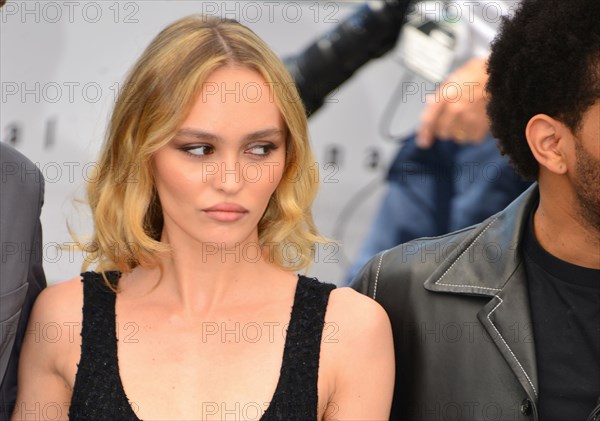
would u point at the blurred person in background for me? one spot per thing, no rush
(450, 173)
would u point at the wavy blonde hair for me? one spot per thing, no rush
(157, 96)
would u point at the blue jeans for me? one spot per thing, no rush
(434, 191)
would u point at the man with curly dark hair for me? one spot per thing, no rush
(502, 320)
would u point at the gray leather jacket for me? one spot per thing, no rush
(461, 321)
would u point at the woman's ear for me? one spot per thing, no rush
(546, 139)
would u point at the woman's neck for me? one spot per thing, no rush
(203, 278)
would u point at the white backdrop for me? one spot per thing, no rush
(61, 65)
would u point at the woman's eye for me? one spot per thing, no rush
(262, 150)
(199, 150)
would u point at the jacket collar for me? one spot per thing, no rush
(484, 261)
(489, 263)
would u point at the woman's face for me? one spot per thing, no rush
(215, 178)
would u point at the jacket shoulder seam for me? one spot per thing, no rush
(377, 274)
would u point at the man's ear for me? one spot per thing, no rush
(546, 139)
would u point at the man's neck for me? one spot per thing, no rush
(560, 230)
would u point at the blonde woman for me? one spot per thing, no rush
(202, 217)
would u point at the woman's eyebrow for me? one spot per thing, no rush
(197, 134)
(206, 136)
(261, 134)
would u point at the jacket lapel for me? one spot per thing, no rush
(507, 320)
(488, 263)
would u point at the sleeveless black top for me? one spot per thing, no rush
(98, 392)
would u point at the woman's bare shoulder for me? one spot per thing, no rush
(359, 322)
(356, 310)
(359, 353)
(54, 328)
(59, 303)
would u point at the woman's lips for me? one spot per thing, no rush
(225, 212)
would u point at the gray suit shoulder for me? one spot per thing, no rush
(21, 273)
(19, 172)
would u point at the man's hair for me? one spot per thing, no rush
(545, 60)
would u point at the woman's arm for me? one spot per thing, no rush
(53, 330)
(364, 359)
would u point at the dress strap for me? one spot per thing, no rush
(98, 391)
(296, 396)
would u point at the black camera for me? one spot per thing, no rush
(368, 33)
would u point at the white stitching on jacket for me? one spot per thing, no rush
(377, 274)
(510, 350)
(459, 257)
(471, 286)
